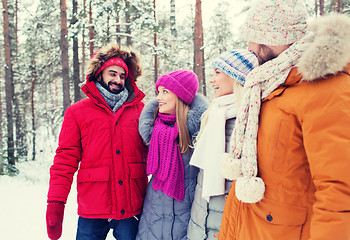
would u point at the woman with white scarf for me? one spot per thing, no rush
(217, 124)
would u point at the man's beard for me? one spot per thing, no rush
(108, 87)
(265, 54)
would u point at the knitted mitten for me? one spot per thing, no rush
(54, 219)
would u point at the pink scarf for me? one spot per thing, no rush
(164, 158)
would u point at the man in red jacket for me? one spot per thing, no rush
(100, 139)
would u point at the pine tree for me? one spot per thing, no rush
(8, 85)
(34, 78)
(40, 64)
(76, 65)
(91, 30)
(199, 68)
(1, 121)
(220, 37)
(64, 56)
(155, 44)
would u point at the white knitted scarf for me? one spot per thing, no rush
(211, 145)
(241, 163)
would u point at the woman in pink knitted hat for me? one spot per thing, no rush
(167, 125)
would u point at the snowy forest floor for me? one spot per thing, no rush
(23, 203)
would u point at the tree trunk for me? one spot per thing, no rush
(338, 6)
(8, 85)
(55, 104)
(16, 26)
(117, 21)
(155, 44)
(76, 73)
(34, 79)
(172, 27)
(332, 6)
(108, 30)
(128, 23)
(20, 146)
(321, 5)
(18, 98)
(83, 43)
(91, 31)
(198, 48)
(64, 55)
(1, 120)
(172, 18)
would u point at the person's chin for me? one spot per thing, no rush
(217, 93)
(163, 111)
(115, 91)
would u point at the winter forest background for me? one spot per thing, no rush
(45, 46)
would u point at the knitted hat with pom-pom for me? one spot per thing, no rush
(275, 22)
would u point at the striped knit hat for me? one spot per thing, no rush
(236, 64)
(275, 22)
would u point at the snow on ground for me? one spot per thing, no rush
(23, 203)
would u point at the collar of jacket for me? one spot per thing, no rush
(295, 77)
(197, 107)
(91, 91)
(327, 54)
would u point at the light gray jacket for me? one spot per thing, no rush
(206, 217)
(163, 217)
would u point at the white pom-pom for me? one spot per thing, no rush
(230, 167)
(250, 189)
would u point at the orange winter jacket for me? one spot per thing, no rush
(304, 160)
(303, 148)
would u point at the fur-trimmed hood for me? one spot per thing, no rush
(113, 51)
(329, 51)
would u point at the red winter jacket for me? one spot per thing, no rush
(109, 153)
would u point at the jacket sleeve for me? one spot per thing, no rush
(66, 160)
(326, 135)
(198, 107)
(146, 121)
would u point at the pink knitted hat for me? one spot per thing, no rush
(275, 22)
(183, 83)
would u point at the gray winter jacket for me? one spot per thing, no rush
(163, 217)
(206, 217)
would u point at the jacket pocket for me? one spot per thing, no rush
(272, 219)
(93, 187)
(138, 185)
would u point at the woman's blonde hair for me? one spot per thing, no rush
(181, 110)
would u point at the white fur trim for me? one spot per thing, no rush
(329, 51)
(250, 189)
(230, 167)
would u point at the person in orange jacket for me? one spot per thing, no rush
(290, 147)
